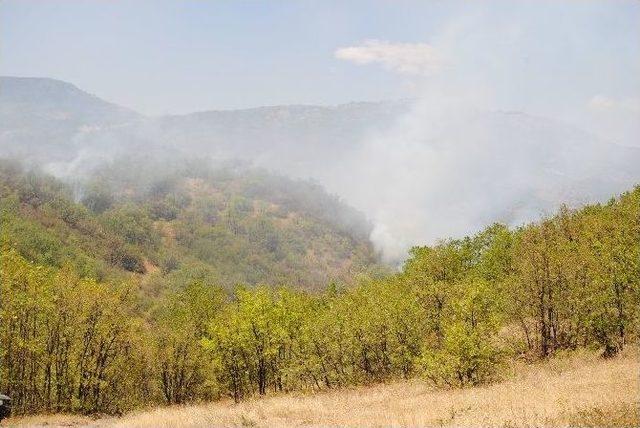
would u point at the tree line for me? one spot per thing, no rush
(454, 315)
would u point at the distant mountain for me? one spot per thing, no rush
(45, 118)
(291, 138)
(57, 100)
(57, 121)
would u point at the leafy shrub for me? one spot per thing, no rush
(465, 358)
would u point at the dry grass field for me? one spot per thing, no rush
(579, 390)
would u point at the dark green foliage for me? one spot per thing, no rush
(133, 224)
(97, 197)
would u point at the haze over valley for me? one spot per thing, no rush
(418, 174)
(319, 213)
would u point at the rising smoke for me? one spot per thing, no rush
(471, 150)
(498, 129)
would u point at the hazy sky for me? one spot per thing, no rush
(180, 56)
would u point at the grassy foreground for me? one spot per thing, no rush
(578, 390)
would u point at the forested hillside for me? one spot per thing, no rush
(227, 225)
(78, 337)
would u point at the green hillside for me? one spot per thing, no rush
(166, 224)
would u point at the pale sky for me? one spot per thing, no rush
(567, 59)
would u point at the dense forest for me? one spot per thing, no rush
(196, 283)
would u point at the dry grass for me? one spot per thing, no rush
(49, 421)
(581, 390)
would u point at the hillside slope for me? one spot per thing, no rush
(230, 225)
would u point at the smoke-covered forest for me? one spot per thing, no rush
(319, 213)
(139, 275)
(173, 291)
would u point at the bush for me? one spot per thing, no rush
(465, 353)
(126, 257)
(464, 359)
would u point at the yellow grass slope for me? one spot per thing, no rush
(580, 390)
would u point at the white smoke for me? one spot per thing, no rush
(487, 139)
(456, 162)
